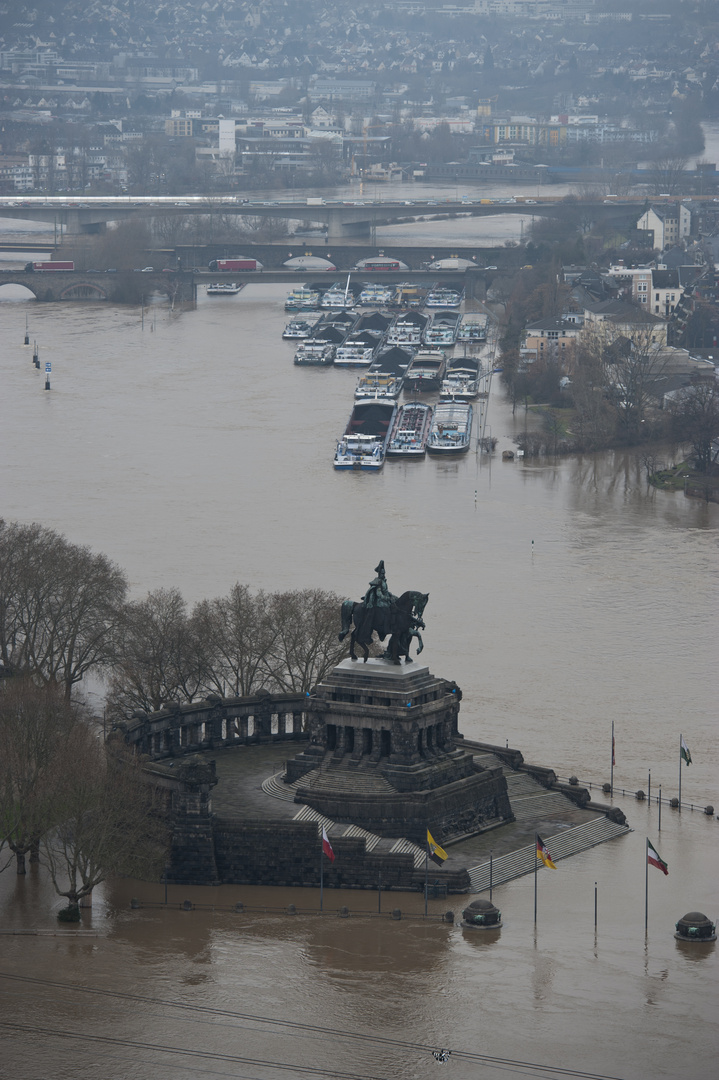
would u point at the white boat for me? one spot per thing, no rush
(410, 431)
(339, 296)
(299, 329)
(461, 380)
(224, 288)
(315, 354)
(445, 298)
(377, 385)
(375, 296)
(407, 329)
(302, 299)
(358, 350)
(473, 328)
(451, 428)
(442, 330)
(364, 443)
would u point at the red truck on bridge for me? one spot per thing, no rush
(230, 265)
(57, 265)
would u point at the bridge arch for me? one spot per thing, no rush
(20, 291)
(83, 290)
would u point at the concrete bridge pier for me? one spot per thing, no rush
(339, 228)
(78, 222)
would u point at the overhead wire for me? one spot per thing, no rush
(531, 1068)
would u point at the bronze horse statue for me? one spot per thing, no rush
(402, 620)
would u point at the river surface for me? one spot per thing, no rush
(563, 595)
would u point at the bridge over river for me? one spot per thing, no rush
(343, 219)
(181, 285)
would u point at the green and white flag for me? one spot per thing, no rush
(684, 750)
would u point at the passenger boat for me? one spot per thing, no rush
(364, 443)
(410, 431)
(315, 354)
(473, 328)
(461, 380)
(451, 429)
(302, 299)
(445, 298)
(443, 329)
(426, 371)
(299, 329)
(224, 288)
(378, 384)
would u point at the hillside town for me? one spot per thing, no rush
(220, 95)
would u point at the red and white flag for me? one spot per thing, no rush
(326, 846)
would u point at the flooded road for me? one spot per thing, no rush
(563, 595)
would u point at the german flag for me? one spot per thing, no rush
(436, 853)
(543, 853)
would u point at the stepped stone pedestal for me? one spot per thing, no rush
(382, 754)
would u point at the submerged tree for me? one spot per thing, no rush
(238, 637)
(35, 722)
(106, 819)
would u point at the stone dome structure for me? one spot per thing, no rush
(482, 915)
(695, 926)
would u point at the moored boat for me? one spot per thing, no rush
(364, 443)
(442, 330)
(426, 371)
(451, 428)
(299, 329)
(410, 431)
(377, 385)
(224, 288)
(473, 328)
(315, 354)
(302, 299)
(407, 329)
(444, 298)
(461, 380)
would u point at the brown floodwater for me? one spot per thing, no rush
(563, 595)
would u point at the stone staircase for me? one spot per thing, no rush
(530, 801)
(379, 844)
(561, 846)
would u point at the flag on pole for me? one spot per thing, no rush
(326, 846)
(684, 750)
(543, 853)
(655, 859)
(435, 852)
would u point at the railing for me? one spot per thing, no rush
(639, 794)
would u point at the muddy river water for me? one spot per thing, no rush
(563, 595)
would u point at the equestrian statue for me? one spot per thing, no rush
(381, 612)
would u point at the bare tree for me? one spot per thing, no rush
(668, 175)
(633, 366)
(695, 420)
(59, 604)
(35, 723)
(106, 820)
(306, 644)
(160, 658)
(238, 636)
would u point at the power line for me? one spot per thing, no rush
(531, 1068)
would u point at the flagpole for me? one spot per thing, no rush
(490, 876)
(426, 875)
(322, 876)
(680, 773)
(660, 808)
(646, 886)
(611, 770)
(535, 879)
